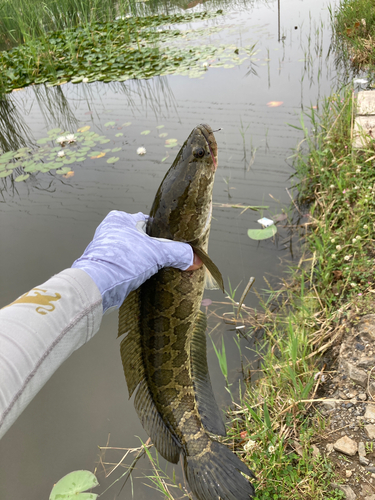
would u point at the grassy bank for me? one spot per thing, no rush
(354, 30)
(330, 289)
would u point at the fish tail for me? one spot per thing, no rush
(216, 473)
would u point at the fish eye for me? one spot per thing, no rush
(199, 153)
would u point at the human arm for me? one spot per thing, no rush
(42, 328)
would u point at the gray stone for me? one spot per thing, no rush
(362, 396)
(370, 497)
(352, 394)
(364, 131)
(370, 412)
(358, 376)
(329, 447)
(329, 405)
(349, 493)
(367, 326)
(366, 102)
(363, 460)
(370, 469)
(366, 362)
(361, 449)
(346, 445)
(370, 430)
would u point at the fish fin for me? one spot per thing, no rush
(209, 282)
(164, 441)
(216, 274)
(129, 313)
(207, 407)
(216, 473)
(131, 345)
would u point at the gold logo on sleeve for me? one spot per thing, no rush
(35, 296)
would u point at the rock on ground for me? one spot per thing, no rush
(346, 445)
(349, 493)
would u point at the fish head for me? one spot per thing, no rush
(183, 204)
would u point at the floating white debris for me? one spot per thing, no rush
(361, 81)
(141, 151)
(265, 222)
(240, 327)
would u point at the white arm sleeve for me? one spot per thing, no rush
(38, 331)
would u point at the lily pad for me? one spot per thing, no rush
(21, 178)
(7, 156)
(72, 486)
(160, 126)
(44, 140)
(31, 167)
(262, 234)
(145, 132)
(115, 150)
(113, 159)
(5, 173)
(63, 170)
(110, 124)
(119, 134)
(126, 124)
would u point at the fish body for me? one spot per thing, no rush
(164, 353)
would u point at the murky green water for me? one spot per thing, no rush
(47, 221)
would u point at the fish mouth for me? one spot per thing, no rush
(211, 141)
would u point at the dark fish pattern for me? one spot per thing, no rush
(164, 352)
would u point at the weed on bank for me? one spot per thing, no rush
(276, 424)
(354, 32)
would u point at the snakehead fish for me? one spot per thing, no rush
(164, 352)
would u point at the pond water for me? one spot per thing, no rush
(47, 221)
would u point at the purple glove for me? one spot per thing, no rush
(121, 256)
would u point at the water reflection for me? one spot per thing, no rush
(14, 133)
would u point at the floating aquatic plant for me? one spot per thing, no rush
(48, 157)
(124, 49)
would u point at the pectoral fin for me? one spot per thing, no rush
(206, 404)
(216, 274)
(131, 346)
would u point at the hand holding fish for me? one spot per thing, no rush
(121, 256)
(40, 329)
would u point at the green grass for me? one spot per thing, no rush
(25, 20)
(339, 182)
(354, 28)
